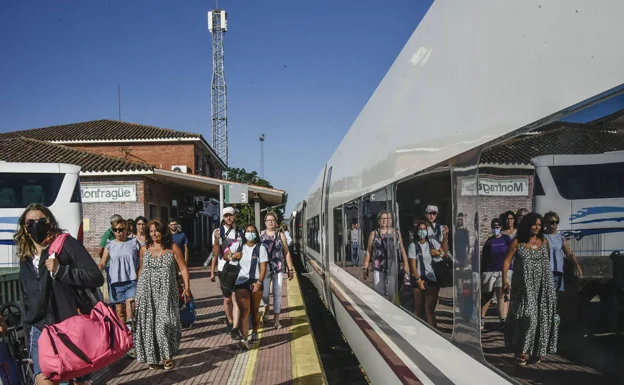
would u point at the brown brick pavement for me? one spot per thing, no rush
(207, 355)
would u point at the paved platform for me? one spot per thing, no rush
(209, 356)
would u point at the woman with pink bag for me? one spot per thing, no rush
(68, 276)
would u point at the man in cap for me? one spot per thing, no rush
(437, 232)
(108, 236)
(223, 238)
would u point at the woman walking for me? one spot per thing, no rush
(53, 288)
(141, 226)
(531, 325)
(423, 279)
(279, 263)
(252, 259)
(159, 330)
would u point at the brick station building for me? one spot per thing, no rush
(133, 169)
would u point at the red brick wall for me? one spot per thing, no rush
(161, 155)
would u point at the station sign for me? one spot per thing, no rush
(512, 187)
(236, 193)
(108, 193)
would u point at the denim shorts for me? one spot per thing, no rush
(120, 292)
(34, 354)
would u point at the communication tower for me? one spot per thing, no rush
(217, 25)
(262, 156)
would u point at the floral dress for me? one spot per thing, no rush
(159, 331)
(532, 324)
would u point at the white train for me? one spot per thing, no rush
(472, 75)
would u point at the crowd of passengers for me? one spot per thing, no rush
(521, 266)
(146, 276)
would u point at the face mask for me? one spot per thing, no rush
(422, 233)
(250, 236)
(496, 231)
(38, 231)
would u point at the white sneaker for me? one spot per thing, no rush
(243, 344)
(278, 325)
(482, 324)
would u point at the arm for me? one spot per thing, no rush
(215, 253)
(186, 252)
(141, 253)
(369, 250)
(288, 257)
(83, 272)
(485, 253)
(177, 253)
(507, 263)
(414, 266)
(570, 255)
(444, 247)
(104, 259)
(257, 286)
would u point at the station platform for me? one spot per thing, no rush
(209, 356)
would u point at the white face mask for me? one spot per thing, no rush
(497, 231)
(422, 233)
(250, 236)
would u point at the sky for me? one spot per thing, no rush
(298, 71)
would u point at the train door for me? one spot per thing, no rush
(326, 236)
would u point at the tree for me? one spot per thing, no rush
(246, 213)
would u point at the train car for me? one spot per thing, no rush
(472, 76)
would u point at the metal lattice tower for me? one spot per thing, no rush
(262, 156)
(217, 25)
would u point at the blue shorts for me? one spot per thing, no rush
(120, 292)
(34, 354)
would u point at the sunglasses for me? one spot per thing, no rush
(228, 215)
(31, 222)
(119, 229)
(432, 213)
(554, 223)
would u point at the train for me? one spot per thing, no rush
(472, 76)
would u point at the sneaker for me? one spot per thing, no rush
(278, 325)
(502, 325)
(243, 344)
(236, 334)
(228, 327)
(253, 338)
(482, 324)
(132, 353)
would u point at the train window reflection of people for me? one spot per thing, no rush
(558, 249)
(423, 280)
(531, 327)
(436, 231)
(509, 224)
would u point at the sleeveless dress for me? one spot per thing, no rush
(158, 328)
(532, 323)
(275, 250)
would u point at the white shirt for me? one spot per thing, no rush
(245, 262)
(424, 247)
(231, 236)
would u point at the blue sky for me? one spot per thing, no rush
(298, 71)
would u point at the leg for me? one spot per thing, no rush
(431, 301)
(121, 311)
(503, 307)
(379, 279)
(266, 290)
(242, 300)
(277, 297)
(235, 312)
(130, 309)
(486, 298)
(419, 303)
(255, 310)
(227, 306)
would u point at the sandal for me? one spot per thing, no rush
(168, 364)
(153, 366)
(535, 360)
(522, 360)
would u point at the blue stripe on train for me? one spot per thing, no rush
(9, 242)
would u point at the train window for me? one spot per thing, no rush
(577, 285)
(339, 246)
(424, 204)
(353, 241)
(314, 234)
(381, 240)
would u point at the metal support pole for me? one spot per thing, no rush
(257, 211)
(221, 203)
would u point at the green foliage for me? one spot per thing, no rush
(240, 175)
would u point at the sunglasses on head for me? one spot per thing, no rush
(119, 229)
(31, 222)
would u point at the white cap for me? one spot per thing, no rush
(228, 210)
(431, 209)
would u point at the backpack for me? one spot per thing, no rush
(254, 260)
(224, 234)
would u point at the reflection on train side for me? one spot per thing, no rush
(560, 312)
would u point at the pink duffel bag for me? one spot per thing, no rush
(83, 344)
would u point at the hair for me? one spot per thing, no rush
(419, 223)
(523, 211)
(140, 218)
(161, 227)
(172, 220)
(122, 222)
(382, 212)
(255, 230)
(271, 214)
(460, 215)
(115, 217)
(524, 229)
(495, 221)
(25, 246)
(550, 215)
(503, 219)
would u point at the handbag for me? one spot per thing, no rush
(81, 344)
(442, 268)
(187, 313)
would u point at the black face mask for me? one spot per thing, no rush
(38, 230)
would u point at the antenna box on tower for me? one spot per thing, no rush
(223, 21)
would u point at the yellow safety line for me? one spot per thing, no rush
(306, 363)
(250, 368)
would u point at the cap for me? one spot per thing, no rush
(431, 209)
(228, 210)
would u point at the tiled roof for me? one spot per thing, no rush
(563, 140)
(97, 130)
(37, 151)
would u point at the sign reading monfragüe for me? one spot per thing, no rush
(108, 193)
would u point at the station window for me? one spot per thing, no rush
(153, 212)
